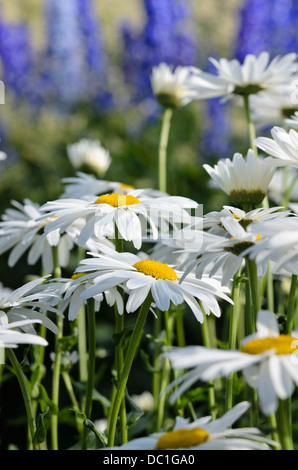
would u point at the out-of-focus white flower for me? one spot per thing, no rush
(245, 180)
(293, 121)
(271, 109)
(171, 87)
(89, 152)
(3, 156)
(145, 401)
(11, 338)
(267, 359)
(204, 434)
(256, 74)
(284, 184)
(283, 146)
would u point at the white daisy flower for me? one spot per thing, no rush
(222, 254)
(171, 87)
(272, 109)
(135, 215)
(22, 229)
(139, 277)
(90, 153)
(32, 301)
(283, 146)
(293, 121)
(205, 434)
(245, 180)
(278, 243)
(256, 74)
(11, 338)
(267, 359)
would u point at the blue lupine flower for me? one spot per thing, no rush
(16, 57)
(65, 54)
(163, 39)
(267, 25)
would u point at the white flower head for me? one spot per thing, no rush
(139, 277)
(11, 335)
(256, 74)
(205, 434)
(136, 215)
(267, 359)
(90, 153)
(171, 87)
(283, 146)
(244, 179)
(293, 121)
(272, 109)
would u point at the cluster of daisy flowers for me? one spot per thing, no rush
(146, 252)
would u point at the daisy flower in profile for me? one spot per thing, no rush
(267, 359)
(89, 153)
(256, 74)
(244, 179)
(136, 215)
(283, 146)
(278, 243)
(269, 109)
(11, 335)
(20, 231)
(171, 87)
(293, 121)
(140, 277)
(32, 301)
(205, 434)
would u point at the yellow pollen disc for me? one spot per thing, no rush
(283, 344)
(235, 216)
(116, 199)
(156, 269)
(258, 237)
(182, 439)
(77, 276)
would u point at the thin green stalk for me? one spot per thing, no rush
(132, 348)
(57, 362)
(284, 426)
(291, 304)
(207, 344)
(165, 373)
(250, 124)
(163, 144)
(119, 326)
(74, 401)
(254, 290)
(91, 365)
(156, 361)
(234, 322)
(26, 396)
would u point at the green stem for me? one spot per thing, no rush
(254, 290)
(207, 344)
(234, 321)
(57, 362)
(284, 426)
(119, 326)
(163, 143)
(132, 348)
(69, 388)
(165, 373)
(250, 124)
(291, 304)
(91, 365)
(26, 395)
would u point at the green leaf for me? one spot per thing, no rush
(41, 430)
(135, 413)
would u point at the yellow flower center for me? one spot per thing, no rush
(182, 439)
(76, 276)
(156, 269)
(126, 186)
(283, 344)
(116, 199)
